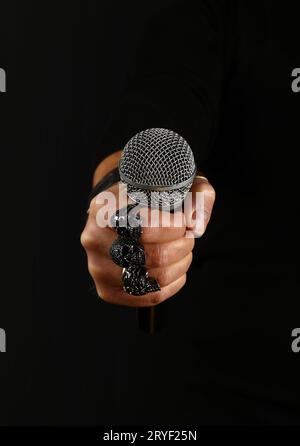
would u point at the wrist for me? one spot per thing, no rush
(108, 164)
(112, 177)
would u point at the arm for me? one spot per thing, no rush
(108, 164)
(178, 78)
(178, 82)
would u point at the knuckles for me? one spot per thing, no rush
(104, 295)
(155, 300)
(96, 272)
(210, 190)
(160, 255)
(163, 276)
(157, 255)
(87, 240)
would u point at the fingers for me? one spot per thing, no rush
(115, 295)
(158, 226)
(161, 235)
(203, 198)
(168, 240)
(102, 268)
(168, 274)
(95, 239)
(161, 227)
(98, 240)
(159, 255)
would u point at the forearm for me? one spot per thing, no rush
(106, 165)
(177, 78)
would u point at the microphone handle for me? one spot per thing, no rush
(150, 320)
(146, 319)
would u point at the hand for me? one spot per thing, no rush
(168, 250)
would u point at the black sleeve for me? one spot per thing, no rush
(180, 70)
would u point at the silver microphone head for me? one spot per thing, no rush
(158, 167)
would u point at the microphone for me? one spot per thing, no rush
(157, 165)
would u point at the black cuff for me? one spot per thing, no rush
(108, 180)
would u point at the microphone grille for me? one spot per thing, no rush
(157, 158)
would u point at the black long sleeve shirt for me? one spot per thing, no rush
(222, 74)
(219, 72)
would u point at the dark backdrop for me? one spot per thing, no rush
(224, 355)
(66, 62)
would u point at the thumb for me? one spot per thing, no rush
(203, 197)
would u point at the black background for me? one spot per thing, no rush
(66, 63)
(72, 359)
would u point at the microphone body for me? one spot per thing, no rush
(157, 165)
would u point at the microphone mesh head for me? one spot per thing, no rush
(158, 167)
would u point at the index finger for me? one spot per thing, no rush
(161, 226)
